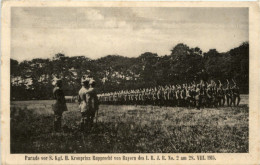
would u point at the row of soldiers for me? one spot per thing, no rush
(198, 95)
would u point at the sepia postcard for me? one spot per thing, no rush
(91, 82)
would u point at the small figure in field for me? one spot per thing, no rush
(221, 94)
(60, 105)
(236, 94)
(92, 102)
(229, 94)
(83, 105)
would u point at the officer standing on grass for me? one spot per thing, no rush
(83, 104)
(236, 94)
(93, 103)
(60, 105)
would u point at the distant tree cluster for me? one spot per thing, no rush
(34, 79)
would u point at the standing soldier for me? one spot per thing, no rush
(60, 105)
(183, 96)
(203, 94)
(174, 98)
(236, 94)
(159, 96)
(146, 96)
(215, 96)
(136, 94)
(116, 96)
(221, 94)
(125, 97)
(188, 96)
(165, 95)
(178, 95)
(110, 98)
(131, 97)
(154, 95)
(198, 96)
(228, 93)
(93, 103)
(83, 104)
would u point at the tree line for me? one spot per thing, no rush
(33, 79)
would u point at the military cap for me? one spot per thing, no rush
(91, 82)
(84, 80)
(58, 81)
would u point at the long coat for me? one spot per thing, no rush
(60, 105)
(92, 99)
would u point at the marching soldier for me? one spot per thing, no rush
(60, 105)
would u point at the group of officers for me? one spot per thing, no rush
(198, 95)
(87, 99)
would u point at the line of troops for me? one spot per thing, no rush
(198, 95)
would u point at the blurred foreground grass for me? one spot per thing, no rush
(130, 129)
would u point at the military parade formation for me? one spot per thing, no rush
(197, 95)
(193, 94)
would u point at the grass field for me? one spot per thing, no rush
(131, 129)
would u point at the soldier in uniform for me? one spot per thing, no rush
(83, 104)
(188, 96)
(236, 94)
(198, 96)
(154, 95)
(203, 94)
(173, 96)
(159, 96)
(60, 105)
(193, 94)
(92, 103)
(221, 94)
(215, 100)
(111, 98)
(131, 96)
(137, 97)
(228, 93)
(183, 96)
(209, 95)
(146, 96)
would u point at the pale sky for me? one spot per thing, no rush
(39, 32)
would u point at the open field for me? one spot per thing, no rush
(131, 129)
